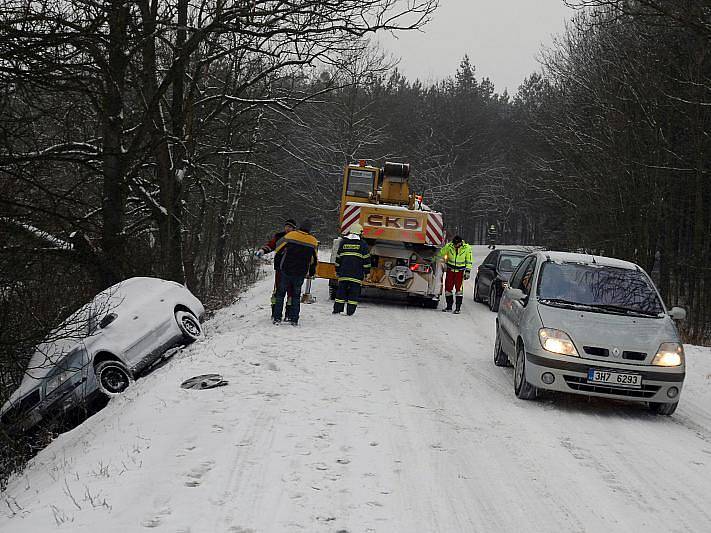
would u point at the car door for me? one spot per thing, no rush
(518, 307)
(510, 311)
(487, 272)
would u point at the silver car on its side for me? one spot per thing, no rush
(102, 347)
(589, 325)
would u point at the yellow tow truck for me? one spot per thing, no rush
(404, 235)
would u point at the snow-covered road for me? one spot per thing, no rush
(394, 420)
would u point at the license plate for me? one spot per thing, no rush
(617, 379)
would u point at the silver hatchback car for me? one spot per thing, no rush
(589, 325)
(102, 347)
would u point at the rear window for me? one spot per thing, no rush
(608, 288)
(508, 263)
(360, 182)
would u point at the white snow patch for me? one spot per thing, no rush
(393, 420)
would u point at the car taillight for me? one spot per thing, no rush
(419, 267)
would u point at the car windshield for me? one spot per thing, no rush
(606, 288)
(509, 262)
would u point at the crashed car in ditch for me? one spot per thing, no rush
(102, 347)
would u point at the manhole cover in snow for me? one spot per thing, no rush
(206, 381)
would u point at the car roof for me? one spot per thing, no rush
(586, 259)
(512, 251)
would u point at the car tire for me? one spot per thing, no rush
(477, 296)
(112, 377)
(500, 357)
(494, 299)
(189, 325)
(663, 408)
(522, 388)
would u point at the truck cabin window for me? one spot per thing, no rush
(360, 183)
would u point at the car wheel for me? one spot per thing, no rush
(663, 408)
(477, 296)
(523, 389)
(113, 377)
(500, 357)
(189, 325)
(494, 299)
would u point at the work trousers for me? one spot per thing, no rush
(347, 295)
(290, 285)
(454, 281)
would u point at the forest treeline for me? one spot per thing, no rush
(169, 138)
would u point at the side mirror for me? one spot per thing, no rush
(107, 320)
(516, 295)
(677, 313)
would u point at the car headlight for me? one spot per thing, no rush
(60, 379)
(669, 354)
(556, 341)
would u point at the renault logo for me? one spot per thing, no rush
(616, 351)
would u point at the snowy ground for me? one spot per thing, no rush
(394, 420)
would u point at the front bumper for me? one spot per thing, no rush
(571, 376)
(66, 398)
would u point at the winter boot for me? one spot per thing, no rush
(458, 309)
(450, 299)
(276, 321)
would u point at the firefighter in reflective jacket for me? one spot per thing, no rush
(458, 257)
(352, 264)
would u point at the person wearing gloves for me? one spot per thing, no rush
(298, 260)
(352, 264)
(457, 256)
(268, 247)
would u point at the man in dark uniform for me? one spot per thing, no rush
(352, 264)
(299, 259)
(289, 225)
(491, 234)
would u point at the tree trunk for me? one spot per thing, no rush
(114, 184)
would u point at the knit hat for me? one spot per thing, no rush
(290, 222)
(306, 225)
(457, 239)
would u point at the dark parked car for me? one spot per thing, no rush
(102, 347)
(493, 275)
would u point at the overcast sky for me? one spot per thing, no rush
(501, 37)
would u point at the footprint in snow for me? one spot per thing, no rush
(163, 509)
(196, 474)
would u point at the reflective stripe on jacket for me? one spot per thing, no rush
(457, 259)
(352, 259)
